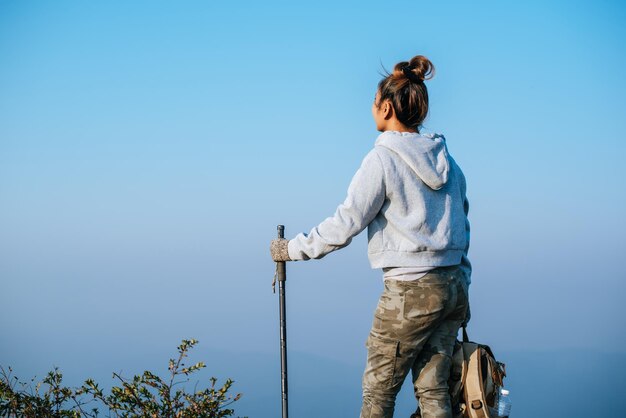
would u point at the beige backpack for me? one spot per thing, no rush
(475, 380)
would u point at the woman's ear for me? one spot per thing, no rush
(387, 109)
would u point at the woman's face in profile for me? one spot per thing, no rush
(378, 113)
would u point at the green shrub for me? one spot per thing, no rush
(144, 396)
(19, 399)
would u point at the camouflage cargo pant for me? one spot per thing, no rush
(414, 329)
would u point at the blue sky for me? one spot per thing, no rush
(149, 149)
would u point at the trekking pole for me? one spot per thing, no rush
(281, 275)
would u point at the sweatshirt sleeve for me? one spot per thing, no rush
(366, 195)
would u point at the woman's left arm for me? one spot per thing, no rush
(366, 195)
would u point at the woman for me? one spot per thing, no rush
(410, 194)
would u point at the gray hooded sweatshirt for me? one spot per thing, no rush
(410, 194)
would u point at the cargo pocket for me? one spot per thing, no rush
(382, 355)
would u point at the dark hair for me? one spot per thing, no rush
(406, 91)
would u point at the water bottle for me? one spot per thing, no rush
(504, 404)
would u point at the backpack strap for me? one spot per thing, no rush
(473, 385)
(457, 375)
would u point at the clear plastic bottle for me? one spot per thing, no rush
(504, 404)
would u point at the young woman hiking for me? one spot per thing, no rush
(410, 194)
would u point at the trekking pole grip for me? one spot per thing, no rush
(281, 274)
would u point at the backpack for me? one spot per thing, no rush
(475, 380)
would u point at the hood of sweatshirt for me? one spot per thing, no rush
(426, 154)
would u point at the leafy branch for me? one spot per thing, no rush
(146, 395)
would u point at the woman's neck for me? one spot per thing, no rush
(395, 125)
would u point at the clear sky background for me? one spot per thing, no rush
(148, 150)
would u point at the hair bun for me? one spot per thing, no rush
(417, 70)
(408, 72)
(424, 69)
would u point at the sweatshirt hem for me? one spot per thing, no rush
(391, 258)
